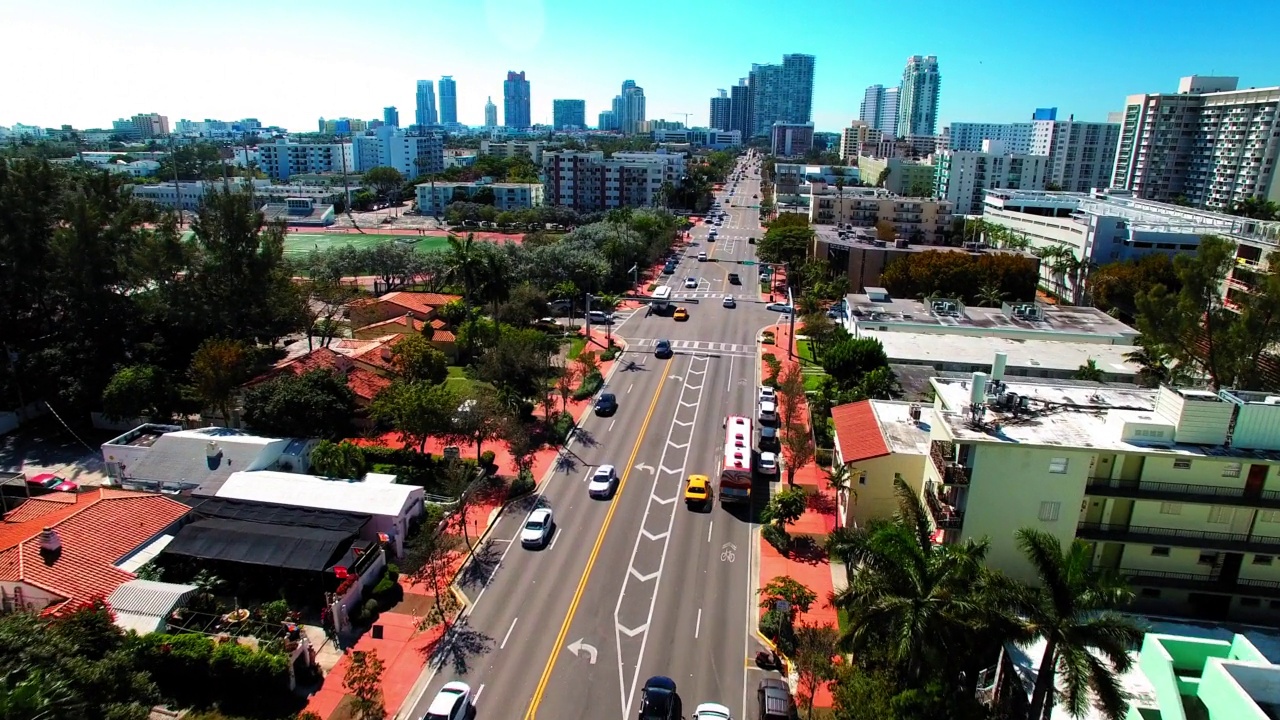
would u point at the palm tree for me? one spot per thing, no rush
(37, 697)
(990, 295)
(1071, 612)
(1088, 371)
(464, 265)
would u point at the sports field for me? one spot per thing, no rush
(300, 244)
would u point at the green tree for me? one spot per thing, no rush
(785, 507)
(991, 296)
(218, 368)
(518, 362)
(338, 460)
(415, 410)
(416, 360)
(1088, 371)
(784, 588)
(849, 359)
(1086, 642)
(33, 696)
(1256, 208)
(1116, 286)
(316, 403)
(879, 383)
(815, 649)
(384, 180)
(139, 391)
(785, 244)
(363, 681)
(797, 449)
(482, 420)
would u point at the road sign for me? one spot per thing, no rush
(748, 262)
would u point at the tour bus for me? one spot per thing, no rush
(661, 298)
(735, 474)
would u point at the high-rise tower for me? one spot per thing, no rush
(490, 114)
(721, 112)
(448, 101)
(425, 112)
(515, 101)
(918, 98)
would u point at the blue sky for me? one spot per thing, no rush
(288, 62)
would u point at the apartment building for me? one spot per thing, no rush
(918, 96)
(904, 177)
(532, 149)
(720, 115)
(879, 109)
(1081, 154)
(433, 198)
(844, 231)
(283, 158)
(569, 114)
(1209, 144)
(963, 177)
(782, 93)
(968, 136)
(587, 181)
(413, 154)
(858, 139)
(700, 137)
(791, 139)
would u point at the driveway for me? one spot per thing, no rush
(44, 445)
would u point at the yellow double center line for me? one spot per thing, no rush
(591, 560)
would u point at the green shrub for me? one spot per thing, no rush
(488, 458)
(613, 352)
(591, 384)
(562, 426)
(393, 570)
(520, 487)
(275, 611)
(779, 538)
(824, 457)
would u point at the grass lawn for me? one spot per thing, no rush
(576, 346)
(812, 381)
(299, 244)
(458, 380)
(804, 349)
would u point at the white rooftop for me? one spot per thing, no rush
(1082, 324)
(223, 435)
(947, 351)
(901, 434)
(319, 493)
(1069, 416)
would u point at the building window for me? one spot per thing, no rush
(1182, 464)
(1058, 466)
(1168, 508)
(1231, 470)
(1160, 551)
(1049, 511)
(1269, 516)
(1263, 559)
(1250, 602)
(862, 478)
(1221, 515)
(1150, 592)
(1208, 558)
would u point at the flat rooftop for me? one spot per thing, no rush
(901, 434)
(1066, 415)
(900, 315)
(953, 352)
(865, 238)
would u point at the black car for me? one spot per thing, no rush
(769, 439)
(775, 700)
(662, 349)
(734, 279)
(606, 404)
(658, 700)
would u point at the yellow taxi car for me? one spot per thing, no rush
(698, 491)
(680, 314)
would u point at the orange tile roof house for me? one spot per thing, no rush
(56, 555)
(365, 383)
(422, 306)
(879, 440)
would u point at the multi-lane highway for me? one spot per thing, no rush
(637, 585)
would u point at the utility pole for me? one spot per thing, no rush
(177, 189)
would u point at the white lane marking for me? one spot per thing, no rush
(554, 538)
(709, 526)
(697, 628)
(611, 424)
(729, 386)
(476, 699)
(507, 637)
(629, 388)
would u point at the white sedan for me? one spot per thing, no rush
(712, 711)
(767, 464)
(603, 481)
(691, 282)
(453, 702)
(537, 528)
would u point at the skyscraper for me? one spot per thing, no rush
(918, 99)
(448, 101)
(426, 108)
(740, 110)
(628, 108)
(391, 116)
(782, 93)
(606, 120)
(515, 101)
(490, 114)
(721, 112)
(567, 114)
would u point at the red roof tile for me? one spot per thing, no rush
(365, 383)
(419, 302)
(96, 532)
(40, 506)
(405, 320)
(858, 432)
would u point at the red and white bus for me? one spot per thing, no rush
(735, 473)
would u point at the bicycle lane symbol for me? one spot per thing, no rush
(728, 552)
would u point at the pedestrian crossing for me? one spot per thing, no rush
(694, 346)
(703, 294)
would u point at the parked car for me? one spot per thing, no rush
(769, 439)
(662, 349)
(767, 394)
(768, 412)
(603, 482)
(600, 318)
(51, 483)
(774, 700)
(767, 464)
(537, 528)
(606, 404)
(712, 711)
(669, 269)
(658, 699)
(453, 702)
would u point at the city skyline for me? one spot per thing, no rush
(998, 69)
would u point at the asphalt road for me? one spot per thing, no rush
(638, 585)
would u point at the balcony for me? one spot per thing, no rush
(1205, 583)
(1182, 492)
(1237, 542)
(949, 471)
(945, 515)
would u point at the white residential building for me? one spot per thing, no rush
(413, 154)
(968, 136)
(880, 109)
(700, 137)
(433, 198)
(512, 148)
(963, 177)
(1208, 144)
(858, 139)
(283, 158)
(1081, 154)
(587, 181)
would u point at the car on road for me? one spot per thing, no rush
(768, 412)
(697, 492)
(702, 257)
(729, 302)
(606, 404)
(755, 197)
(775, 699)
(691, 282)
(603, 481)
(669, 269)
(751, 241)
(767, 394)
(453, 702)
(779, 307)
(658, 699)
(600, 318)
(767, 464)
(712, 711)
(680, 314)
(537, 528)
(734, 279)
(662, 349)
(51, 483)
